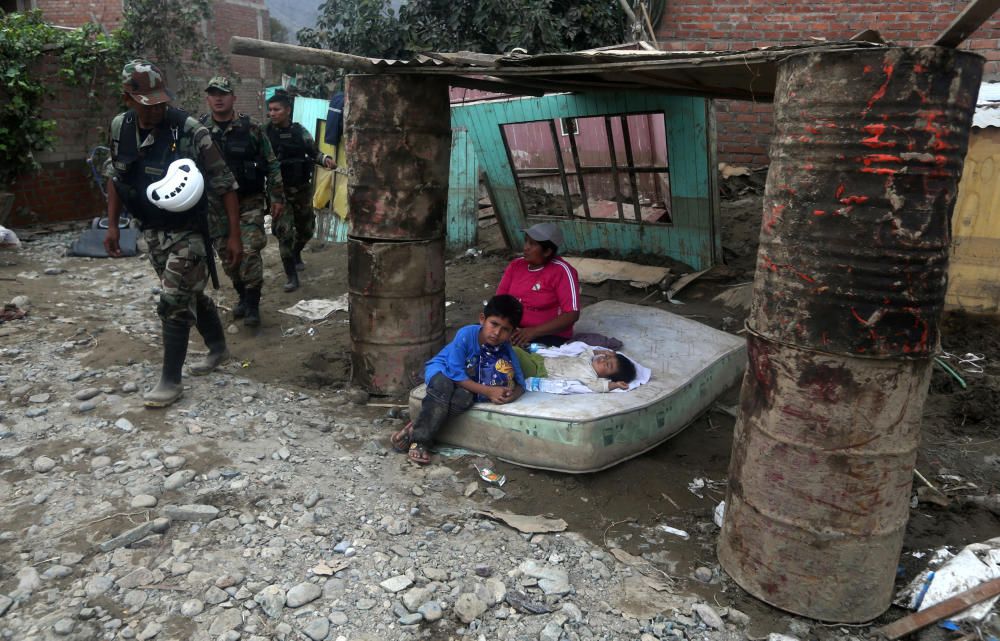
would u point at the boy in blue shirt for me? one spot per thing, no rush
(477, 366)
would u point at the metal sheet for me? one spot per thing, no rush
(396, 294)
(398, 142)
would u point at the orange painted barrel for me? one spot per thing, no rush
(396, 295)
(848, 293)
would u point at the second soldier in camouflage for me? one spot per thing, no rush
(250, 157)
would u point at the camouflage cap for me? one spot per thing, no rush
(221, 83)
(144, 81)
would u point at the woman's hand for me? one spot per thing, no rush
(523, 335)
(617, 385)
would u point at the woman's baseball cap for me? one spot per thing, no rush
(545, 231)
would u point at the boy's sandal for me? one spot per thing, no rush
(418, 454)
(400, 440)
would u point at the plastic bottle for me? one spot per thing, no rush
(534, 347)
(547, 385)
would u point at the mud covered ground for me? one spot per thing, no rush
(623, 506)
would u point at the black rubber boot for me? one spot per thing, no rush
(210, 327)
(299, 265)
(292, 273)
(240, 309)
(175, 344)
(253, 307)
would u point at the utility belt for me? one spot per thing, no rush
(151, 217)
(296, 172)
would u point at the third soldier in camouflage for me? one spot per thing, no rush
(250, 157)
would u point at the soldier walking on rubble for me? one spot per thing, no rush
(162, 162)
(297, 152)
(249, 156)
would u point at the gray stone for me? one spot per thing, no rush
(130, 387)
(271, 600)
(64, 626)
(57, 572)
(98, 462)
(496, 591)
(301, 594)
(124, 425)
(28, 580)
(135, 599)
(178, 479)
(337, 618)
(215, 595)
(435, 574)
(86, 394)
(317, 628)
(396, 527)
(572, 611)
(151, 630)
(192, 512)
(39, 398)
(86, 406)
(708, 615)
(5, 603)
(415, 597)
(703, 574)
(737, 617)
(135, 578)
(431, 611)
(551, 632)
(774, 636)
(312, 498)
(365, 604)
(174, 462)
(551, 580)
(411, 619)
(230, 619)
(143, 501)
(131, 536)
(192, 607)
(396, 583)
(98, 585)
(469, 607)
(43, 464)
(342, 546)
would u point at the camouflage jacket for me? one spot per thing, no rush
(261, 148)
(195, 142)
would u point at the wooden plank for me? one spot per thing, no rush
(463, 193)
(976, 14)
(300, 55)
(946, 608)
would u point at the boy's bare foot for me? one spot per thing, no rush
(400, 440)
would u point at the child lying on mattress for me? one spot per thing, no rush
(599, 370)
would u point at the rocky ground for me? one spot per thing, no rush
(265, 505)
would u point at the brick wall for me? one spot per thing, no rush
(64, 189)
(744, 128)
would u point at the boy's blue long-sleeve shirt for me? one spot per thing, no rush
(462, 356)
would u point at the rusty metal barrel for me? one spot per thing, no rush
(396, 311)
(398, 143)
(398, 136)
(844, 321)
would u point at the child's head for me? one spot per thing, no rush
(499, 318)
(614, 366)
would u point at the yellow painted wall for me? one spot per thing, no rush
(974, 273)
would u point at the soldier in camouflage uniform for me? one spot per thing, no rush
(248, 153)
(297, 152)
(144, 141)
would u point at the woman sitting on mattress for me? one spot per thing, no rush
(547, 286)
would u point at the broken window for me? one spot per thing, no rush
(602, 168)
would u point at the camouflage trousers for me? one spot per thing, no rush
(180, 262)
(250, 271)
(297, 225)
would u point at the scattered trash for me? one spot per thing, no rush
(736, 296)
(11, 312)
(990, 502)
(672, 530)
(317, 309)
(969, 363)
(720, 513)
(523, 603)
(473, 252)
(701, 485)
(329, 568)
(947, 575)
(311, 331)
(595, 271)
(983, 595)
(681, 283)
(652, 577)
(525, 524)
(490, 476)
(8, 239)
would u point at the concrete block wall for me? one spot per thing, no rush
(745, 128)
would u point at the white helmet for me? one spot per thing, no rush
(180, 189)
